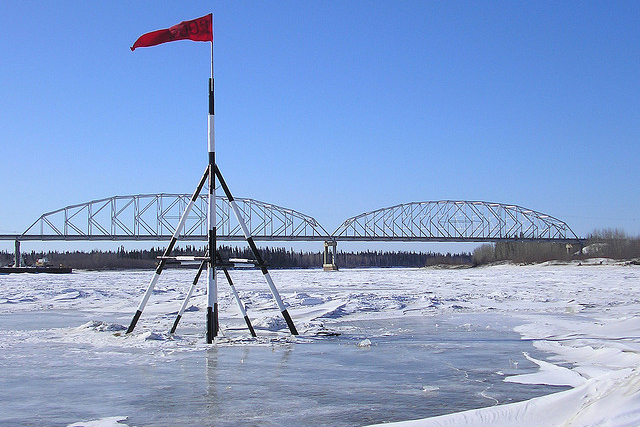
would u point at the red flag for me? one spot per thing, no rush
(199, 30)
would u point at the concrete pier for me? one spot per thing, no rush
(329, 263)
(18, 257)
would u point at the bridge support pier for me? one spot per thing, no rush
(18, 258)
(329, 262)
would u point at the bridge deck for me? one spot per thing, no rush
(192, 238)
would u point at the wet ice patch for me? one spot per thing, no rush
(317, 328)
(259, 341)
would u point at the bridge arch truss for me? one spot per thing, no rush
(156, 216)
(454, 221)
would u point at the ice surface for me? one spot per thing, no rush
(439, 342)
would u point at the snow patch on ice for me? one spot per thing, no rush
(270, 323)
(70, 294)
(99, 326)
(152, 336)
(549, 374)
(102, 422)
(303, 298)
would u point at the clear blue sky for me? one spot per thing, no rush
(331, 108)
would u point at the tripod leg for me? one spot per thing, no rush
(167, 252)
(203, 264)
(237, 297)
(254, 249)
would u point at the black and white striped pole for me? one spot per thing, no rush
(212, 286)
(254, 249)
(167, 251)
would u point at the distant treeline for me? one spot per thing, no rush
(608, 243)
(400, 259)
(274, 257)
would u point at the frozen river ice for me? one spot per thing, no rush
(412, 343)
(412, 369)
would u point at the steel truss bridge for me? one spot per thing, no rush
(154, 217)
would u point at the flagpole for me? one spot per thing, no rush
(200, 29)
(212, 286)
